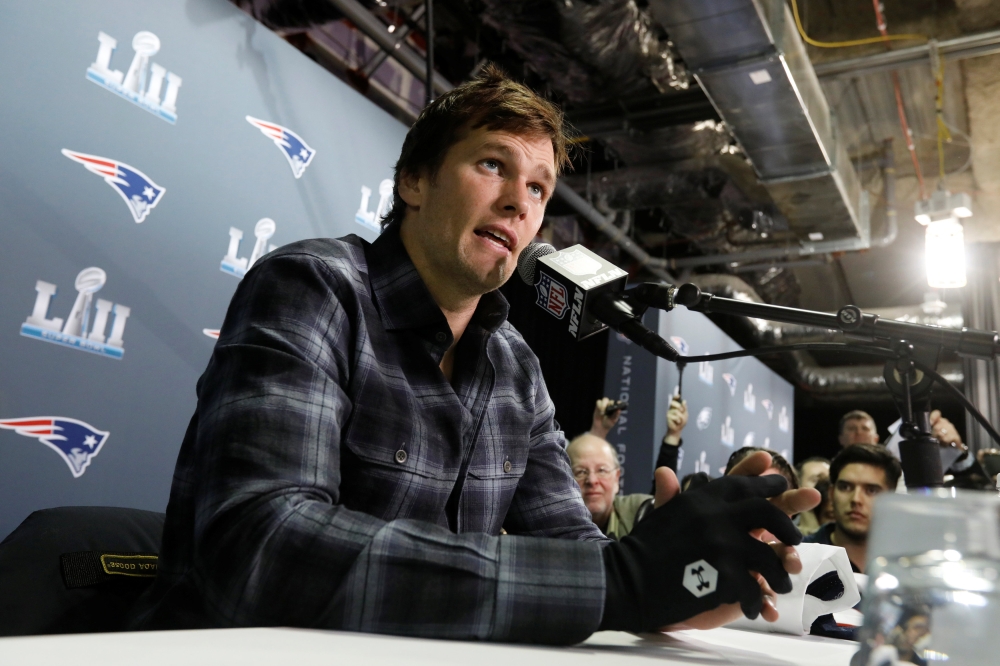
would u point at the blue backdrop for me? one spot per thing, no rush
(731, 404)
(152, 151)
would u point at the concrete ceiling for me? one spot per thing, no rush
(866, 109)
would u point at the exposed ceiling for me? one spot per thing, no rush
(657, 158)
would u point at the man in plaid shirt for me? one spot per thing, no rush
(369, 421)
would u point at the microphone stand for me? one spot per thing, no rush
(910, 367)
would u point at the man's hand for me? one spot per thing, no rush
(601, 424)
(790, 501)
(677, 418)
(648, 571)
(667, 487)
(945, 431)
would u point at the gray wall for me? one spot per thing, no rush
(650, 382)
(218, 172)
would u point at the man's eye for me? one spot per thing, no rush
(492, 165)
(536, 191)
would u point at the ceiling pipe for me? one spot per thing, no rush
(889, 232)
(378, 32)
(605, 226)
(960, 48)
(888, 165)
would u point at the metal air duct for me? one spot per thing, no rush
(749, 60)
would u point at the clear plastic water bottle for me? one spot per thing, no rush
(933, 570)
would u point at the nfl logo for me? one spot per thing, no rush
(551, 296)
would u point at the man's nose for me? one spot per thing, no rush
(514, 199)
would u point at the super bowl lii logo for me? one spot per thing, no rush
(144, 82)
(371, 219)
(238, 266)
(79, 330)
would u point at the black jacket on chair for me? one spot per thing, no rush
(76, 569)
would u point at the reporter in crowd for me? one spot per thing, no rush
(778, 464)
(595, 467)
(858, 474)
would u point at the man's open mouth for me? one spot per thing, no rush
(495, 236)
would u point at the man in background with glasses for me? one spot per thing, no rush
(595, 467)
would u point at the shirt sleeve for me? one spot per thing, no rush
(272, 543)
(668, 455)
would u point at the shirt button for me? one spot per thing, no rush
(507, 466)
(441, 336)
(401, 456)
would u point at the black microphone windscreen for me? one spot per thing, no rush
(527, 262)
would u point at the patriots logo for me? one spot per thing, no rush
(731, 381)
(295, 150)
(551, 296)
(768, 407)
(704, 418)
(679, 343)
(139, 192)
(76, 442)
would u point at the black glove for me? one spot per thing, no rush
(695, 553)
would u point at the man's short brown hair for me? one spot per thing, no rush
(867, 454)
(851, 416)
(490, 100)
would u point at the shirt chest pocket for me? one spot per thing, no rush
(490, 487)
(397, 443)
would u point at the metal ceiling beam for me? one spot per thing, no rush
(960, 48)
(378, 32)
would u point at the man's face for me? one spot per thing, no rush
(597, 472)
(853, 495)
(916, 628)
(812, 472)
(858, 431)
(484, 205)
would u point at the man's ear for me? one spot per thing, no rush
(409, 189)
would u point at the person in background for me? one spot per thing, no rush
(595, 467)
(913, 630)
(694, 480)
(823, 512)
(811, 471)
(858, 427)
(778, 464)
(858, 474)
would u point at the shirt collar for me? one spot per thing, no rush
(404, 302)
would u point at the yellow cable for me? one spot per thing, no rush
(854, 42)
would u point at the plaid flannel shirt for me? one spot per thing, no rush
(332, 477)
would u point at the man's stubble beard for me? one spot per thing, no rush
(472, 283)
(853, 535)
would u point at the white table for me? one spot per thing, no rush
(295, 647)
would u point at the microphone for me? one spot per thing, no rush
(597, 288)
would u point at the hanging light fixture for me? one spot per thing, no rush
(945, 238)
(945, 254)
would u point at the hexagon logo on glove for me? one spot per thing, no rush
(700, 578)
